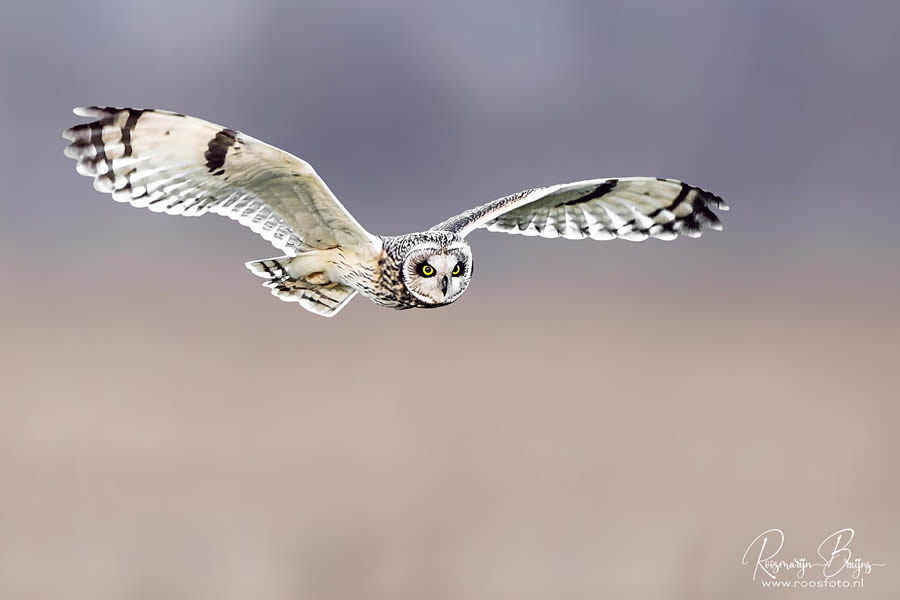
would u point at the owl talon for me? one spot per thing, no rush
(318, 278)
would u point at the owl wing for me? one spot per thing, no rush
(632, 208)
(180, 165)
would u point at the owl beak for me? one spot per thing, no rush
(444, 284)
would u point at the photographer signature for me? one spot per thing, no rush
(834, 553)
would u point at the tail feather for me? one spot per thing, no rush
(270, 268)
(323, 299)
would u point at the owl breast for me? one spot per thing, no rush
(379, 281)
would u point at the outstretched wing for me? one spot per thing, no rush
(632, 208)
(180, 165)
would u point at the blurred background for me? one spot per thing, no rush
(593, 419)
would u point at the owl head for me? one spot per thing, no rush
(437, 268)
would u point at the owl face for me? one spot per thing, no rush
(437, 273)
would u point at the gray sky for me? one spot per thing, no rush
(415, 111)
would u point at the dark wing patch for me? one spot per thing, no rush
(218, 148)
(598, 192)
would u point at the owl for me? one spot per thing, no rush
(168, 162)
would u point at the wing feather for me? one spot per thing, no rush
(179, 165)
(631, 208)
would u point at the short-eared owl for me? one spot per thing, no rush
(180, 165)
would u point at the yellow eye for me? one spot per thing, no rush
(456, 270)
(427, 270)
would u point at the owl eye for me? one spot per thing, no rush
(456, 270)
(426, 270)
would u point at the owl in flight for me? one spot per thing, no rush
(180, 165)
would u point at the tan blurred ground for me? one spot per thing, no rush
(150, 451)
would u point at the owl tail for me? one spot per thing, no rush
(323, 299)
